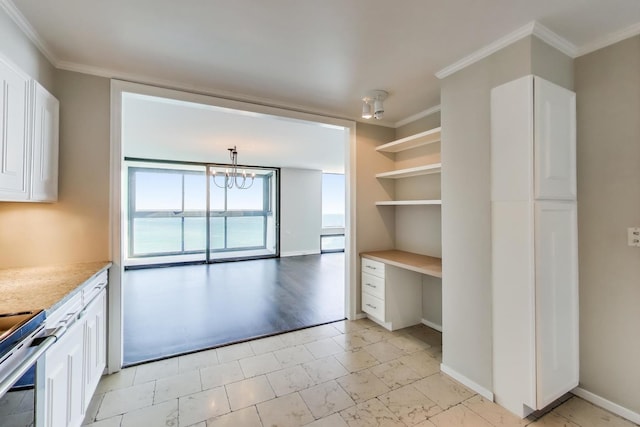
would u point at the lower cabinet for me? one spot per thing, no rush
(74, 365)
(64, 394)
(391, 296)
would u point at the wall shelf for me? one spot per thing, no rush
(409, 172)
(408, 202)
(413, 141)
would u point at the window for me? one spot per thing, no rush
(168, 213)
(333, 213)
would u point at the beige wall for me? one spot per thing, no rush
(608, 101)
(75, 229)
(16, 47)
(374, 225)
(466, 203)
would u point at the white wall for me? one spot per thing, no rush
(300, 211)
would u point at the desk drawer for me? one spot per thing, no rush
(373, 306)
(373, 267)
(373, 285)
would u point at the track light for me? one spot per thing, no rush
(366, 110)
(375, 98)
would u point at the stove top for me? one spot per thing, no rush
(14, 327)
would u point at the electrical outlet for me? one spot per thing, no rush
(633, 236)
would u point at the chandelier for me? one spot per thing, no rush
(233, 178)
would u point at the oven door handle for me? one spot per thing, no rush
(27, 363)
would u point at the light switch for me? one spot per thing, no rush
(633, 236)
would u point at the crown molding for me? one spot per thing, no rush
(609, 39)
(417, 116)
(532, 28)
(28, 30)
(554, 40)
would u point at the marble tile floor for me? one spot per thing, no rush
(341, 374)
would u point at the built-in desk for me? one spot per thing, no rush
(392, 286)
(424, 264)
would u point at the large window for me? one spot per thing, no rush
(168, 214)
(333, 213)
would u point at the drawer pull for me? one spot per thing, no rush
(372, 306)
(370, 285)
(371, 267)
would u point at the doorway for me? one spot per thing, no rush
(122, 90)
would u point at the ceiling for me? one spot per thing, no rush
(166, 129)
(314, 56)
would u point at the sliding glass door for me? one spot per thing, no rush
(173, 207)
(243, 222)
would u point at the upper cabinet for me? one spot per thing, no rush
(29, 117)
(533, 152)
(44, 172)
(14, 133)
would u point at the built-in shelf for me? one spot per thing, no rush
(408, 202)
(409, 172)
(413, 141)
(424, 264)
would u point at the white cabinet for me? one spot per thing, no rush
(95, 340)
(44, 159)
(75, 363)
(391, 296)
(64, 393)
(534, 244)
(29, 117)
(14, 135)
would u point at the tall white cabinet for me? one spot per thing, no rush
(534, 243)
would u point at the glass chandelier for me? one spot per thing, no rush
(234, 178)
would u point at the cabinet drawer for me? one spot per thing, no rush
(66, 314)
(93, 288)
(373, 267)
(373, 306)
(373, 285)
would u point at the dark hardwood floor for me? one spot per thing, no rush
(175, 310)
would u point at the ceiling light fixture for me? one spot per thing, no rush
(375, 99)
(233, 178)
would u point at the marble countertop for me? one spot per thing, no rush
(32, 288)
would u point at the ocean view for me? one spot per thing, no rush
(165, 235)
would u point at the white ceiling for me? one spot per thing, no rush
(160, 128)
(318, 56)
(313, 56)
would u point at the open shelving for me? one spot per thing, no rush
(409, 172)
(413, 141)
(408, 202)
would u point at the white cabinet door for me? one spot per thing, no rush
(556, 299)
(64, 369)
(44, 176)
(554, 141)
(14, 136)
(95, 343)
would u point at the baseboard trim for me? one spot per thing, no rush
(298, 253)
(361, 316)
(432, 325)
(467, 382)
(607, 404)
